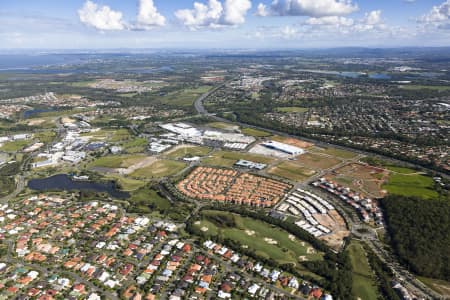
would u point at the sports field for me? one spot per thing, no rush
(265, 239)
(363, 278)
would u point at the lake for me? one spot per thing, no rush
(63, 182)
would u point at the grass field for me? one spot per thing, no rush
(45, 136)
(14, 146)
(222, 125)
(188, 151)
(135, 145)
(265, 239)
(119, 135)
(186, 97)
(143, 199)
(439, 88)
(117, 161)
(291, 171)
(229, 158)
(316, 161)
(344, 154)
(255, 132)
(127, 184)
(440, 286)
(363, 281)
(159, 169)
(294, 109)
(409, 184)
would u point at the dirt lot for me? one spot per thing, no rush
(335, 222)
(293, 142)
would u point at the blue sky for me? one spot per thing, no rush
(82, 24)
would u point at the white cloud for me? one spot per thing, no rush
(439, 15)
(235, 11)
(101, 17)
(331, 21)
(261, 10)
(312, 8)
(148, 16)
(214, 14)
(373, 17)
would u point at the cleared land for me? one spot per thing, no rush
(223, 125)
(407, 182)
(266, 240)
(363, 278)
(159, 169)
(361, 178)
(292, 141)
(229, 158)
(291, 171)
(344, 154)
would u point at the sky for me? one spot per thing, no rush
(222, 24)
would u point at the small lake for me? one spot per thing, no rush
(33, 112)
(65, 183)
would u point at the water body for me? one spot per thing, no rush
(63, 182)
(380, 76)
(33, 112)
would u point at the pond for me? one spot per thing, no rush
(63, 182)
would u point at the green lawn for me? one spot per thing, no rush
(186, 97)
(222, 125)
(127, 184)
(14, 146)
(188, 151)
(145, 200)
(363, 278)
(291, 171)
(45, 136)
(229, 158)
(116, 161)
(255, 132)
(407, 184)
(256, 236)
(295, 109)
(339, 153)
(159, 169)
(439, 88)
(135, 145)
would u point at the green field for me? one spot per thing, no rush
(229, 158)
(159, 169)
(440, 286)
(126, 184)
(186, 97)
(344, 154)
(294, 109)
(363, 278)
(255, 132)
(222, 125)
(439, 88)
(291, 171)
(135, 145)
(188, 151)
(119, 135)
(45, 136)
(265, 239)
(116, 161)
(14, 146)
(146, 200)
(406, 183)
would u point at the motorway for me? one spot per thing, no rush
(405, 277)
